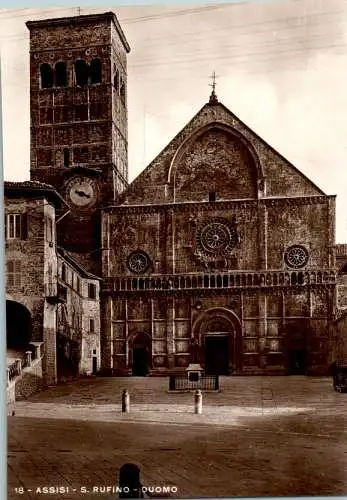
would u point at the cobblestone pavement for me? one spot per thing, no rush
(260, 436)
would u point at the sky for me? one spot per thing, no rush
(281, 68)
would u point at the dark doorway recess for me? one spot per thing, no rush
(297, 362)
(95, 365)
(18, 325)
(142, 349)
(217, 355)
(140, 363)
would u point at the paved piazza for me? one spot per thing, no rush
(260, 436)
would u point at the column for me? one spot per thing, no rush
(262, 329)
(28, 358)
(170, 331)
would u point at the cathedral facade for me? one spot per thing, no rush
(220, 246)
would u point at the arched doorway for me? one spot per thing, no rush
(18, 326)
(295, 349)
(218, 332)
(140, 348)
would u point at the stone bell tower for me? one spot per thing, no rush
(78, 106)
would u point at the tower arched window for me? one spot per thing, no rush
(60, 74)
(46, 72)
(81, 72)
(95, 71)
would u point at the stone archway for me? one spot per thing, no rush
(295, 347)
(218, 332)
(18, 326)
(140, 354)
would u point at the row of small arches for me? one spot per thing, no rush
(57, 75)
(225, 281)
(85, 74)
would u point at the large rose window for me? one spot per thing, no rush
(217, 238)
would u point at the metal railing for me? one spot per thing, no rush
(184, 383)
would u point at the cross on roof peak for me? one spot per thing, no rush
(213, 97)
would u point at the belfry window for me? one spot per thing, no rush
(95, 71)
(81, 72)
(60, 74)
(212, 196)
(46, 72)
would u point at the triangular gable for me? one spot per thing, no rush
(154, 184)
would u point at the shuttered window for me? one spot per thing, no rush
(16, 226)
(14, 269)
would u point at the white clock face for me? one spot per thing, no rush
(82, 192)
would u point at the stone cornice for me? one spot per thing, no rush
(220, 205)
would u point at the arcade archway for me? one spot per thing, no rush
(18, 326)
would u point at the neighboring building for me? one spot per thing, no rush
(78, 318)
(44, 304)
(31, 261)
(341, 266)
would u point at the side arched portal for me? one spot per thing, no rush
(296, 348)
(140, 354)
(218, 332)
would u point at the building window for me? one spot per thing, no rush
(46, 72)
(80, 155)
(96, 110)
(91, 325)
(46, 115)
(16, 226)
(91, 291)
(14, 273)
(81, 72)
(78, 284)
(61, 114)
(49, 230)
(63, 272)
(66, 157)
(60, 74)
(122, 92)
(116, 81)
(50, 280)
(212, 196)
(81, 112)
(95, 71)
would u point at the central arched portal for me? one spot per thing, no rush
(218, 332)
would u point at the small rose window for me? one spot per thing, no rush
(138, 262)
(296, 256)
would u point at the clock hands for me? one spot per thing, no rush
(82, 193)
